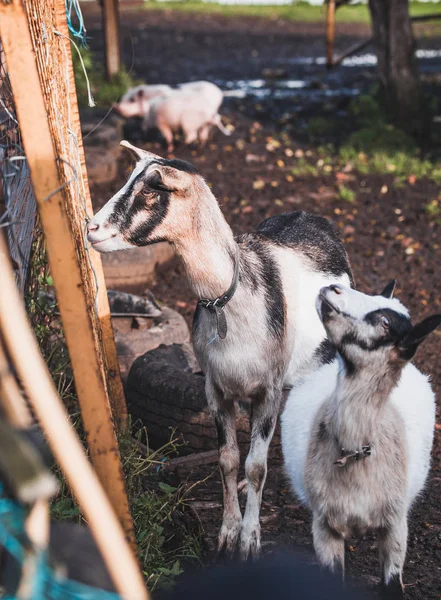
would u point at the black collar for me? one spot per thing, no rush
(347, 455)
(217, 305)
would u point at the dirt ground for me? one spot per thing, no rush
(379, 228)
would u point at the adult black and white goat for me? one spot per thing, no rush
(255, 329)
(357, 434)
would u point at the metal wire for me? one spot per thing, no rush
(17, 201)
(17, 212)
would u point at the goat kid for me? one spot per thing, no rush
(255, 329)
(357, 434)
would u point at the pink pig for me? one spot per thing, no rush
(192, 107)
(136, 101)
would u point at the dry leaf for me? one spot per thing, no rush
(258, 184)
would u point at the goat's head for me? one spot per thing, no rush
(371, 329)
(158, 202)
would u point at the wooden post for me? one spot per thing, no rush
(66, 448)
(110, 12)
(330, 32)
(63, 250)
(112, 371)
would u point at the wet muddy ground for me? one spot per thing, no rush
(387, 231)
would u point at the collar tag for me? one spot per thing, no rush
(221, 322)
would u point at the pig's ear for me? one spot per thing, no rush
(138, 152)
(166, 178)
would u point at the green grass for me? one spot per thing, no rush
(104, 92)
(374, 146)
(163, 539)
(379, 147)
(43, 315)
(305, 168)
(433, 208)
(346, 194)
(297, 11)
(319, 127)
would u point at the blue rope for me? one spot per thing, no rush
(74, 5)
(47, 585)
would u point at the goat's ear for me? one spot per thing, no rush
(408, 345)
(388, 291)
(169, 178)
(138, 152)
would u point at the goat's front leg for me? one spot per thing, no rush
(224, 415)
(392, 545)
(264, 412)
(329, 546)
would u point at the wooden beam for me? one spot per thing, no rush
(111, 27)
(51, 193)
(330, 32)
(352, 50)
(111, 371)
(423, 18)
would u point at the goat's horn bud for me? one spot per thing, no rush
(138, 152)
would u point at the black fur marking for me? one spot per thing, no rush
(349, 365)
(123, 213)
(221, 436)
(175, 163)
(258, 396)
(247, 276)
(119, 212)
(196, 321)
(156, 213)
(322, 432)
(312, 235)
(399, 326)
(326, 352)
(266, 427)
(388, 290)
(266, 273)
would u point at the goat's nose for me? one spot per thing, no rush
(92, 226)
(336, 288)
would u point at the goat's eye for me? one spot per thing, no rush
(385, 323)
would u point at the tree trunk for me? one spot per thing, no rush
(395, 48)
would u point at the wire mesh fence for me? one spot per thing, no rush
(17, 201)
(41, 76)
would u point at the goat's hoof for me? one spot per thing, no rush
(249, 546)
(228, 540)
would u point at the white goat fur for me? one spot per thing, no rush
(341, 407)
(413, 399)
